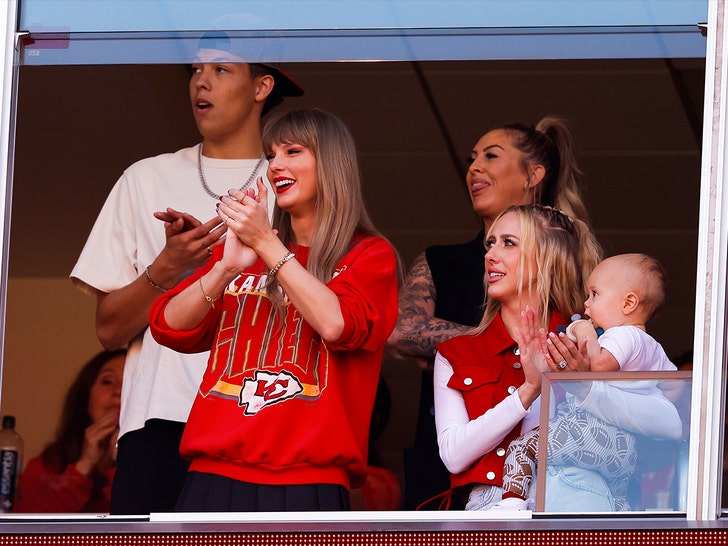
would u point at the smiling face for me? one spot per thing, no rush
(224, 96)
(292, 172)
(496, 178)
(503, 258)
(105, 394)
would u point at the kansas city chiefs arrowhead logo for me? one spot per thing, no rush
(266, 389)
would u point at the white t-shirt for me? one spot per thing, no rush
(158, 383)
(635, 406)
(635, 350)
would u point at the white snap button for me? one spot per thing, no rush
(511, 389)
(490, 475)
(468, 381)
(500, 452)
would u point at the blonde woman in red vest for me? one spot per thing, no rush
(487, 381)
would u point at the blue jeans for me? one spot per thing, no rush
(568, 489)
(574, 489)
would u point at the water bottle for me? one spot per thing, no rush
(11, 463)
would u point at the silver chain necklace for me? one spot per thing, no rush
(204, 183)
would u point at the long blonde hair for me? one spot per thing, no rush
(340, 210)
(566, 253)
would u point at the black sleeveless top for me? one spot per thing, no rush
(457, 272)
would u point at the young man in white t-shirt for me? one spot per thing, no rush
(157, 225)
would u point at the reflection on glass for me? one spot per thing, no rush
(616, 445)
(163, 15)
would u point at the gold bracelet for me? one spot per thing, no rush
(152, 283)
(273, 272)
(210, 300)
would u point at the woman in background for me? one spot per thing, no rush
(74, 472)
(514, 164)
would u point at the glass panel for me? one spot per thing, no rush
(72, 119)
(79, 127)
(49, 47)
(129, 31)
(616, 442)
(166, 15)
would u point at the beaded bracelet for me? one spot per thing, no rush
(152, 283)
(210, 300)
(273, 272)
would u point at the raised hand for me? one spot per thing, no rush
(243, 213)
(563, 355)
(247, 214)
(98, 453)
(533, 361)
(189, 242)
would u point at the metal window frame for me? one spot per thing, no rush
(710, 320)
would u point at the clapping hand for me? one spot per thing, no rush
(246, 216)
(189, 242)
(529, 338)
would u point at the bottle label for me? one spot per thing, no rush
(9, 471)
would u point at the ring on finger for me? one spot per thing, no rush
(209, 251)
(561, 365)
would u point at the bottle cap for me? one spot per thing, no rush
(9, 421)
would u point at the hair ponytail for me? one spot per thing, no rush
(551, 144)
(563, 189)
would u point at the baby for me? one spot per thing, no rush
(625, 291)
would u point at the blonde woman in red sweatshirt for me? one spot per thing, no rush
(296, 316)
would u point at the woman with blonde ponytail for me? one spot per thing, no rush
(514, 164)
(551, 144)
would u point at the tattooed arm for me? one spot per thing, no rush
(417, 330)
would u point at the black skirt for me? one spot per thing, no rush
(212, 493)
